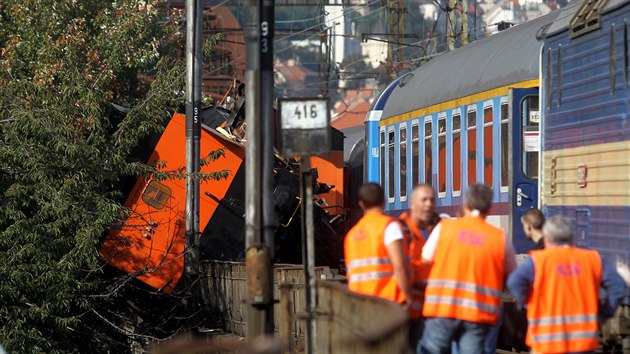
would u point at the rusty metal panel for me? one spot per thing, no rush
(345, 321)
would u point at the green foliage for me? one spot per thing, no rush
(62, 157)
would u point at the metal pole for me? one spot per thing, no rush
(193, 134)
(464, 15)
(253, 167)
(267, 129)
(308, 250)
(401, 31)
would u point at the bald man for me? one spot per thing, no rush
(417, 225)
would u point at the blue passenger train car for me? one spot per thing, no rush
(470, 115)
(586, 130)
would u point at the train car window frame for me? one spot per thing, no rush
(156, 194)
(415, 152)
(428, 168)
(402, 162)
(442, 154)
(524, 121)
(391, 164)
(471, 130)
(382, 159)
(456, 149)
(504, 138)
(488, 126)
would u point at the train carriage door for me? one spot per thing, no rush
(525, 150)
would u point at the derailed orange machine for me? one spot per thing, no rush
(150, 242)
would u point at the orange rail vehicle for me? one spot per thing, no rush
(150, 243)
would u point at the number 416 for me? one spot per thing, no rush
(311, 111)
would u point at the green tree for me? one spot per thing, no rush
(62, 157)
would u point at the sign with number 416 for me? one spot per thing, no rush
(305, 124)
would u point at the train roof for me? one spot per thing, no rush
(567, 13)
(505, 58)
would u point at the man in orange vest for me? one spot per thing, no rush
(560, 286)
(374, 251)
(471, 259)
(417, 224)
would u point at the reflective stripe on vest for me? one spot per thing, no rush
(370, 276)
(449, 300)
(562, 320)
(452, 284)
(364, 262)
(566, 336)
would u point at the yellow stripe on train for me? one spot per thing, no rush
(588, 175)
(458, 102)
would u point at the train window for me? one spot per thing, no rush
(488, 144)
(529, 123)
(428, 172)
(504, 145)
(382, 157)
(156, 194)
(457, 154)
(472, 147)
(613, 58)
(390, 160)
(415, 153)
(442, 155)
(403, 163)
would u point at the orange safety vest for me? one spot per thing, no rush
(563, 306)
(466, 278)
(369, 269)
(414, 241)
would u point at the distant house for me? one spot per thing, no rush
(349, 115)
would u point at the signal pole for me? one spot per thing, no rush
(259, 220)
(193, 136)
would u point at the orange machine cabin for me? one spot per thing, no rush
(151, 241)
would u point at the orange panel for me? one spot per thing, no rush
(151, 241)
(330, 168)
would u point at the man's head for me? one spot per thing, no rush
(532, 221)
(422, 204)
(371, 195)
(557, 230)
(478, 197)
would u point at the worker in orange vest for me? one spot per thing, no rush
(417, 224)
(374, 251)
(560, 286)
(471, 259)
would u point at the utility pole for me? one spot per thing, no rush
(267, 19)
(390, 39)
(450, 22)
(324, 59)
(401, 30)
(259, 50)
(464, 15)
(193, 136)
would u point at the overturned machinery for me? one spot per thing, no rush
(150, 243)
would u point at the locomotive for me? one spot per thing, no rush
(538, 112)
